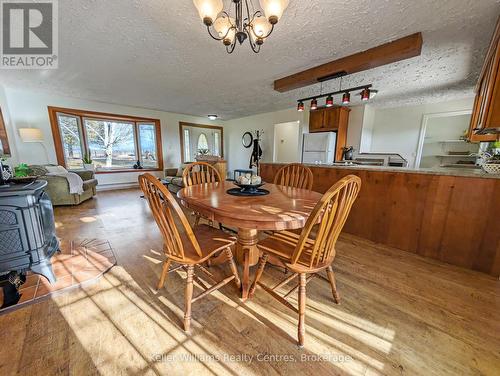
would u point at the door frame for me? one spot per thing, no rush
(299, 143)
(423, 129)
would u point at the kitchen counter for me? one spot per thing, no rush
(444, 214)
(459, 171)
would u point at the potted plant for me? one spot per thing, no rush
(87, 162)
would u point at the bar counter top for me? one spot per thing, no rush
(458, 171)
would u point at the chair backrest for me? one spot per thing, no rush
(165, 210)
(332, 211)
(294, 175)
(200, 173)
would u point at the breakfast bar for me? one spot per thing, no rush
(449, 215)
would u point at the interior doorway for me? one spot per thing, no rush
(287, 142)
(443, 141)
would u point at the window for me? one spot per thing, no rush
(216, 144)
(187, 145)
(203, 144)
(147, 137)
(113, 142)
(71, 139)
(199, 139)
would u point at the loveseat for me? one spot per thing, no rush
(58, 186)
(173, 179)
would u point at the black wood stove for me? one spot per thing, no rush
(27, 233)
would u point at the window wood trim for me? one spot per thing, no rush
(4, 140)
(185, 124)
(56, 134)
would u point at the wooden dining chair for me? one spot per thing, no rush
(200, 173)
(312, 251)
(187, 248)
(294, 175)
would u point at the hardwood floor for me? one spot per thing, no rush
(400, 314)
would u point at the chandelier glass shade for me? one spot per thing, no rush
(248, 23)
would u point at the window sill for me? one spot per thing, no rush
(128, 170)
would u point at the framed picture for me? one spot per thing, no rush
(4, 141)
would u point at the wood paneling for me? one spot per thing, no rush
(400, 49)
(448, 218)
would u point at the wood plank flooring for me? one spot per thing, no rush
(400, 314)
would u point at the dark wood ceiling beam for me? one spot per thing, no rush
(400, 49)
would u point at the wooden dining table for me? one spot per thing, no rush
(284, 208)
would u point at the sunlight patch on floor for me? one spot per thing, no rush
(153, 260)
(88, 219)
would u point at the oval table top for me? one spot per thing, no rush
(284, 208)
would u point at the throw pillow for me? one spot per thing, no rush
(56, 169)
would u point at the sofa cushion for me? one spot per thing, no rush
(56, 169)
(89, 184)
(177, 181)
(37, 170)
(180, 170)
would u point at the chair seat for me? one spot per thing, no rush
(283, 243)
(211, 241)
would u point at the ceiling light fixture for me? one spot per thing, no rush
(346, 98)
(366, 92)
(300, 107)
(212, 117)
(329, 101)
(255, 27)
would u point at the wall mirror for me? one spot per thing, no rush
(200, 140)
(4, 141)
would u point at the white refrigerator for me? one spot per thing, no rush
(319, 147)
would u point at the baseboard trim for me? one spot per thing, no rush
(116, 186)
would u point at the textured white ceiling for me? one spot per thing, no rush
(156, 54)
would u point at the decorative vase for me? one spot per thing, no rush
(89, 166)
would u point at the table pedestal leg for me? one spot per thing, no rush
(247, 254)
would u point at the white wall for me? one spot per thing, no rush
(397, 130)
(237, 155)
(29, 109)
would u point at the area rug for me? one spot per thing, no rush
(79, 262)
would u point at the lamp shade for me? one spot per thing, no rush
(261, 26)
(31, 134)
(224, 27)
(208, 9)
(273, 9)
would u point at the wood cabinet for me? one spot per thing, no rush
(331, 119)
(486, 110)
(328, 119)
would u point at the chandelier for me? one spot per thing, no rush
(256, 26)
